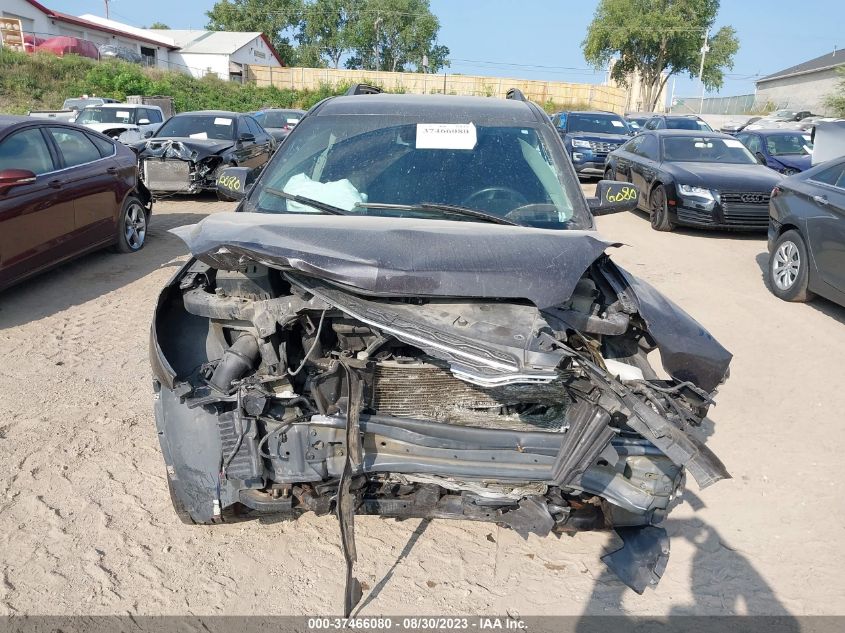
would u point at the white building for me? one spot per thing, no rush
(806, 86)
(197, 53)
(222, 53)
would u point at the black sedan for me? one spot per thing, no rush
(188, 150)
(279, 123)
(807, 235)
(703, 179)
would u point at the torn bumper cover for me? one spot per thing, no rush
(419, 368)
(181, 166)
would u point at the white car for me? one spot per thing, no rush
(114, 119)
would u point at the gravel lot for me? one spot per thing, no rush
(86, 525)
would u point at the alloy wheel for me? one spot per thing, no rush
(135, 226)
(786, 265)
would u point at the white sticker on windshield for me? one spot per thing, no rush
(446, 136)
(732, 142)
(200, 135)
(123, 115)
(293, 120)
(616, 123)
(222, 121)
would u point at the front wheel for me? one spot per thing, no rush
(132, 226)
(788, 268)
(660, 220)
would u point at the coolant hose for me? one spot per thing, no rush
(236, 361)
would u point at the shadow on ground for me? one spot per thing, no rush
(825, 306)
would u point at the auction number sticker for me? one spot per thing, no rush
(621, 195)
(232, 183)
(446, 136)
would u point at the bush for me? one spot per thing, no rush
(43, 81)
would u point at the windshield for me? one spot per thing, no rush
(706, 150)
(199, 126)
(106, 115)
(597, 124)
(687, 124)
(78, 104)
(357, 163)
(279, 118)
(788, 144)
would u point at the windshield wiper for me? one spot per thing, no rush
(445, 208)
(316, 204)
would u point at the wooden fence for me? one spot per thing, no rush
(561, 94)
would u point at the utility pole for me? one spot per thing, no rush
(704, 50)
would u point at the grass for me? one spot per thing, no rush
(43, 81)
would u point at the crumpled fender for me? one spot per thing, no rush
(687, 350)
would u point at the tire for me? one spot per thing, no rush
(660, 220)
(132, 226)
(788, 269)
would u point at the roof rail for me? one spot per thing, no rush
(362, 89)
(516, 95)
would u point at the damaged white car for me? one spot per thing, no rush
(412, 315)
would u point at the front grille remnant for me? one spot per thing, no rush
(427, 391)
(167, 175)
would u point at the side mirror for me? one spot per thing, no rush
(148, 134)
(613, 196)
(15, 177)
(233, 183)
(246, 137)
(144, 122)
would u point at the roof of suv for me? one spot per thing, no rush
(123, 106)
(440, 108)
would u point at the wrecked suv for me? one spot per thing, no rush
(412, 315)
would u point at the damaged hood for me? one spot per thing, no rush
(404, 256)
(442, 258)
(182, 148)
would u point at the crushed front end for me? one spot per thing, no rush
(169, 166)
(283, 387)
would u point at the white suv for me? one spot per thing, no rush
(114, 119)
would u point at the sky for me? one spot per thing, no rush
(541, 39)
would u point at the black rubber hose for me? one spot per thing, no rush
(614, 323)
(237, 361)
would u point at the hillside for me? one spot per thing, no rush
(43, 81)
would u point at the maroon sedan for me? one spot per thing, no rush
(64, 191)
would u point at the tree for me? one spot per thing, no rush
(159, 25)
(326, 27)
(391, 34)
(656, 39)
(836, 101)
(280, 20)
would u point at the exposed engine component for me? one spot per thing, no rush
(543, 421)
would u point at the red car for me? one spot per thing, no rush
(64, 191)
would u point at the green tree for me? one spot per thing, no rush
(836, 101)
(158, 25)
(393, 34)
(326, 27)
(656, 39)
(280, 20)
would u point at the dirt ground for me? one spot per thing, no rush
(86, 525)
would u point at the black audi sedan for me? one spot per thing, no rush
(807, 235)
(700, 179)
